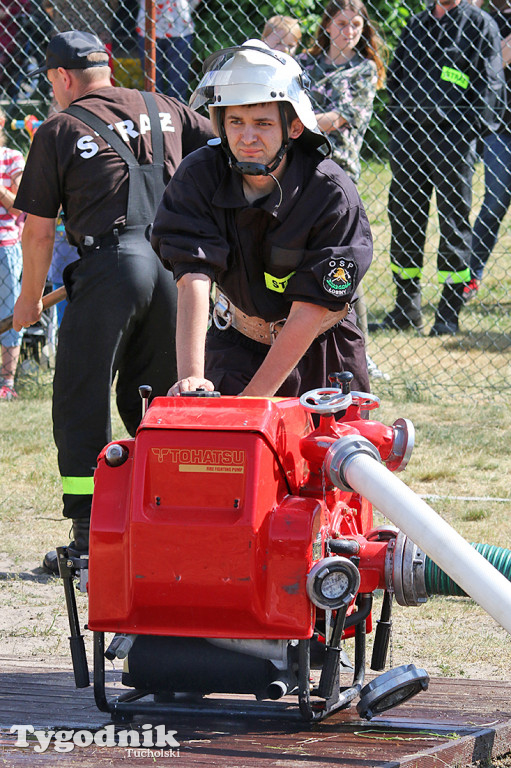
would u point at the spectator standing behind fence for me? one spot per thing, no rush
(174, 44)
(282, 33)
(497, 167)
(446, 88)
(346, 66)
(11, 169)
(12, 14)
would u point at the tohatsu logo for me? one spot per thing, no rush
(202, 459)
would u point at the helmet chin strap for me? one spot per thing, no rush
(257, 169)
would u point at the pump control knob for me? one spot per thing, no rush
(145, 391)
(342, 380)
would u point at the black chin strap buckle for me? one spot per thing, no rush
(258, 169)
(250, 169)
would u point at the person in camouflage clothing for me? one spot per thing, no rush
(346, 67)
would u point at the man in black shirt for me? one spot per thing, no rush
(280, 229)
(105, 159)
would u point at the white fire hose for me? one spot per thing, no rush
(353, 463)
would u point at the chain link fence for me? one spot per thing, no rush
(478, 358)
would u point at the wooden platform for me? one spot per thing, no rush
(454, 723)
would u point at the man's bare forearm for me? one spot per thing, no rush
(37, 255)
(298, 333)
(37, 242)
(191, 328)
(192, 324)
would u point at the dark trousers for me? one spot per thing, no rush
(423, 158)
(497, 199)
(120, 320)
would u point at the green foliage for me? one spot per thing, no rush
(221, 24)
(392, 15)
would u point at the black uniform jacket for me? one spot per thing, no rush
(448, 72)
(313, 245)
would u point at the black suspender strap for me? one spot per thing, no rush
(157, 140)
(102, 129)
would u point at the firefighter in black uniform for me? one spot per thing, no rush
(105, 159)
(279, 229)
(446, 88)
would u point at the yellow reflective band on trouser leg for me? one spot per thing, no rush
(78, 486)
(454, 277)
(406, 274)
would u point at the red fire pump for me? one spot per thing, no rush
(229, 553)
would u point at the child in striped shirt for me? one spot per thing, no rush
(11, 169)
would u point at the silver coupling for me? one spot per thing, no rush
(402, 445)
(405, 571)
(341, 453)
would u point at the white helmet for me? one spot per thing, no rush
(253, 73)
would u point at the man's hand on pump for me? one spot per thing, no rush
(190, 384)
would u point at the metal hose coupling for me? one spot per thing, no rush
(402, 445)
(341, 453)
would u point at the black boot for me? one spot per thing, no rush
(407, 311)
(446, 318)
(79, 546)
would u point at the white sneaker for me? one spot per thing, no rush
(374, 371)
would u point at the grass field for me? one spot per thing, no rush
(476, 361)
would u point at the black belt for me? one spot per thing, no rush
(90, 243)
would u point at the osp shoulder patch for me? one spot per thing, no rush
(339, 277)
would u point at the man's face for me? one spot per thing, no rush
(254, 132)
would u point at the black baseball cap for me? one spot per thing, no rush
(70, 50)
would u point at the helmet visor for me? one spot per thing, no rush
(221, 71)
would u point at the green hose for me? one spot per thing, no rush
(438, 583)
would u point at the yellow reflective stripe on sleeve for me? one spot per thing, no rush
(455, 76)
(455, 277)
(406, 274)
(278, 284)
(78, 486)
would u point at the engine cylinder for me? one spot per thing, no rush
(192, 665)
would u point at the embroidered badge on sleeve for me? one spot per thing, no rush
(339, 277)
